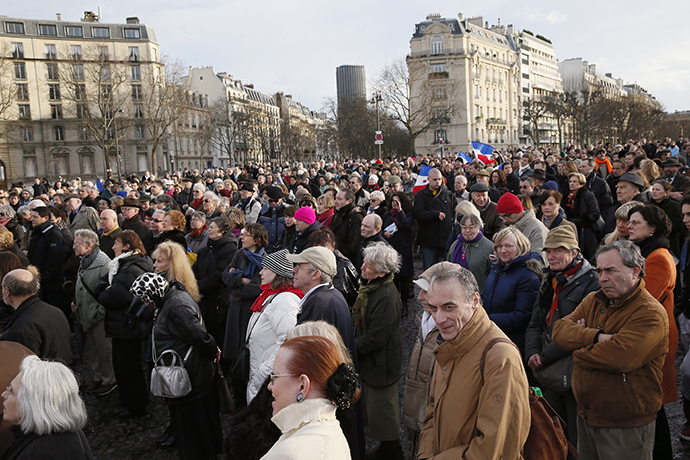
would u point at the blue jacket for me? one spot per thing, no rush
(510, 293)
(273, 220)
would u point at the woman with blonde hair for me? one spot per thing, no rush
(171, 261)
(621, 231)
(174, 224)
(513, 284)
(237, 220)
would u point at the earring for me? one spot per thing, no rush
(300, 397)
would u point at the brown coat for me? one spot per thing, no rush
(466, 419)
(617, 383)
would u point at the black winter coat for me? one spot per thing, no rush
(300, 241)
(209, 266)
(346, 225)
(137, 226)
(602, 192)
(71, 445)
(115, 296)
(584, 214)
(177, 327)
(175, 236)
(402, 240)
(433, 232)
(346, 279)
(48, 252)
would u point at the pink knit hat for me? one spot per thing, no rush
(306, 214)
(509, 204)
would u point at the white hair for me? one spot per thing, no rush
(382, 257)
(48, 398)
(212, 196)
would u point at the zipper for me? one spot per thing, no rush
(625, 379)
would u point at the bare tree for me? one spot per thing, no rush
(533, 111)
(415, 99)
(98, 94)
(163, 95)
(8, 89)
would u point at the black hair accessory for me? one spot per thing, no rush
(342, 386)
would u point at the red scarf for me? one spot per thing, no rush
(325, 218)
(197, 233)
(605, 161)
(197, 203)
(266, 292)
(557, 288)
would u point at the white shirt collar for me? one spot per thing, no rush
(309, 292)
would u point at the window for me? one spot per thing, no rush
(87, 161)
(52, 71)
(100, 32)
(438, 68)
(27, 134)
(84, 133)
(138, 111)
(30, 168)
(78, 70)
(136, 73)
(136, 92)
(134, 53)
(106, 90)
(56, 111)
(24, 112)
(109, 112)
(74, 31)
(22, 92)
(105, 73)
(439, 134)
(80, 92)
(20, 71)
(14, 28)
(142, 158)
(103, 53)
(54, 91)
(51, 52)
(61, 161)
(59, 132)
(76, 52)
(440, 92)
(132, 33)
(47, 29)
(18, 50)
(436, 45)
(140, 132)
(80, 110)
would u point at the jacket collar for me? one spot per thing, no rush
(296, 415)
(626, 301)
(474, 330)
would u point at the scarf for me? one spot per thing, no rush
(553, 222)
(571, 200)
(267, 292)
(558, 280)
(325, 218)
(605, 161)
(88, 259)
(395, 217)
(197, 203)
(652, 243)
(197, 233)
(255, 260)
(460, 255)
(362, 303)
(114, 265)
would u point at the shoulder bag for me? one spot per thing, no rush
(240, 363)
(170, 381)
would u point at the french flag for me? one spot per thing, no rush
(483, 152)
(465, 158)
(422, 178)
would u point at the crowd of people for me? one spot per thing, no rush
(285, 286)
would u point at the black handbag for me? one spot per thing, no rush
(223, 397)
(240, 362)
(555, 376)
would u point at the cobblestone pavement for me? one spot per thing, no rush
(112, 438)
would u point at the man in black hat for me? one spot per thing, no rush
(680, 183)
(130, 211)
(248, 203)
(628, 188)
(272, 216)
(487, 209)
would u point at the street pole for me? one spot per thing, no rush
(376, 99)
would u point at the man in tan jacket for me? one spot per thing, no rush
(619, 338)
(473, 412)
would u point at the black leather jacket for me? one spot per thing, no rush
(177, 327)
(346, 279)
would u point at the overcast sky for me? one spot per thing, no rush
(295, 46)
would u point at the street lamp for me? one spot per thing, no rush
(375, 101)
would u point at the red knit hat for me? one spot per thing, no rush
(509, 204)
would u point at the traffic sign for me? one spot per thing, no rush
(378, 142)
(379, 136)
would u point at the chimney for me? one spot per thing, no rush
(499, 22)
(133, 20)
(59, 16)
(461, 16)
(249, 85)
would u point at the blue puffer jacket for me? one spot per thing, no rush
(510, 293)
(274, 221)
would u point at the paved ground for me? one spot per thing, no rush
(114, 439)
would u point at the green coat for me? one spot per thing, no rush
(378, 339)
(89, 311)
(478, 261)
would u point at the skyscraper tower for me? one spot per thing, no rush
(351, 83)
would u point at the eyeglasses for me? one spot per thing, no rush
(505, 246)
(208, 201)
(465, 228)
(158, 221)
(273, 377)
(10, 392)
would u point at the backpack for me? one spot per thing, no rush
(546, 439)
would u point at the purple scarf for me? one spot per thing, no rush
(459, 256)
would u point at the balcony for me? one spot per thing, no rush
(438, 75)
(496, 121)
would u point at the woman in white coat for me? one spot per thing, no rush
(274, 314)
